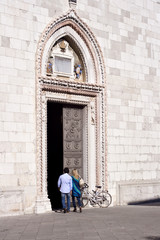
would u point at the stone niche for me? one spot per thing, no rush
(63, 62)
(12, 201)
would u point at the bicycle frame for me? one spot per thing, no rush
(96, 197)
(91, 196)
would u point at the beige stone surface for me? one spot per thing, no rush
(129, 36)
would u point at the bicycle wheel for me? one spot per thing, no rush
(104, 199)
(84, 201)
(84, 198)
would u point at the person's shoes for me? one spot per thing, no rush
(80, 209)
(65, 210)
(74, 210)
(68, 211)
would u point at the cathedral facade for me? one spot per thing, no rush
(79, 88)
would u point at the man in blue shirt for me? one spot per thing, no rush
(65, 187)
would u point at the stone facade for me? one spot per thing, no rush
(122, 39)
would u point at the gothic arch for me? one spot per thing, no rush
(70, 24)
(90, 94)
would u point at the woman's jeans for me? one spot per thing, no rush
(67, 195)
(74, 202)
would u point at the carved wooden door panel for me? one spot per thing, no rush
(73, 138)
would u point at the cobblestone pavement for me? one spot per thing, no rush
(114, 223)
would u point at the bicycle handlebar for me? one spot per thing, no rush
(85, 185)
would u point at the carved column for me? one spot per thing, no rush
(43, 203)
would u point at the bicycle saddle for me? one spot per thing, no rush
(98, 186)
(85, 185)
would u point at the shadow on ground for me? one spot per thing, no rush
(149, 202)
(153, 238)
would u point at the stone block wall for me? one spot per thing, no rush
(21, 24)
(129, 35)
(133, 96)
(12, 200)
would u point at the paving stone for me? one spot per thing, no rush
(115, 223)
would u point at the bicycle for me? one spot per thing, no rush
(101, 197)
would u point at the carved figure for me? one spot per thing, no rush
(78, 70)
(49, 68)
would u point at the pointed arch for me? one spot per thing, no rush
(90, 94)
(71, 25)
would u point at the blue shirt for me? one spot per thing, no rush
(65, 183)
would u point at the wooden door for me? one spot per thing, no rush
(73, 138)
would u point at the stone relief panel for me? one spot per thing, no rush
(73, 27)
(73, 138)
(63, 61)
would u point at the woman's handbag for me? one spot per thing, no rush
(81, 182)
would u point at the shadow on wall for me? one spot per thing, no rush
(148, 202)
(153, 238)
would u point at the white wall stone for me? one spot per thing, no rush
(129, 35)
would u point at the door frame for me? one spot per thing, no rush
(93, 154)
(64, 99)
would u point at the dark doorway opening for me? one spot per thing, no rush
(55, 151)
(55, 141)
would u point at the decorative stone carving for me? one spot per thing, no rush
(72, 3)
(66, 62)
(72, 20)
(77, 71)
(70, 91)
(73, 137)
(92, 113)
(63, 45)
(49, 69)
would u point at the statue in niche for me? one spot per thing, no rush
(78, 71)
(49, 68)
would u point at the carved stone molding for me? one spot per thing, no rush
(72, 20)
(72, 3)
(90, 94)
(70, 86)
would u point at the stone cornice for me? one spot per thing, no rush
(80, 88)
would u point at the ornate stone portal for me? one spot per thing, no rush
(68, 42)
